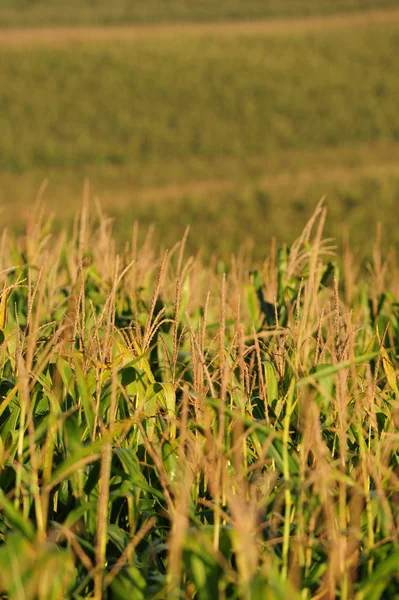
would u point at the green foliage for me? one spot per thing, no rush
(157, 441)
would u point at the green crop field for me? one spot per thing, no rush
(199, 392)
(170, 431)
(263, 124)
(25, 13)
(197, 98)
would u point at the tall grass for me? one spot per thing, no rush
(171, 431)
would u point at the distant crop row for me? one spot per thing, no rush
(171, 431)
(24, 13)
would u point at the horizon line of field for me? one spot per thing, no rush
(84, 34)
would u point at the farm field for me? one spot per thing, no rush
(260, 206)
(170, 431)
(264, 124)
(199, 391)
(23, 13)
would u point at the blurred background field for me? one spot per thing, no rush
(238, 132)
(25, 13)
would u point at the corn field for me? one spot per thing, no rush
(169, 430)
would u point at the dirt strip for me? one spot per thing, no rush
(66, 35)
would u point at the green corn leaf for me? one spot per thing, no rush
(16, 518)
(84, 396)
(389, 371)
(271, 382)
(331, 369)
